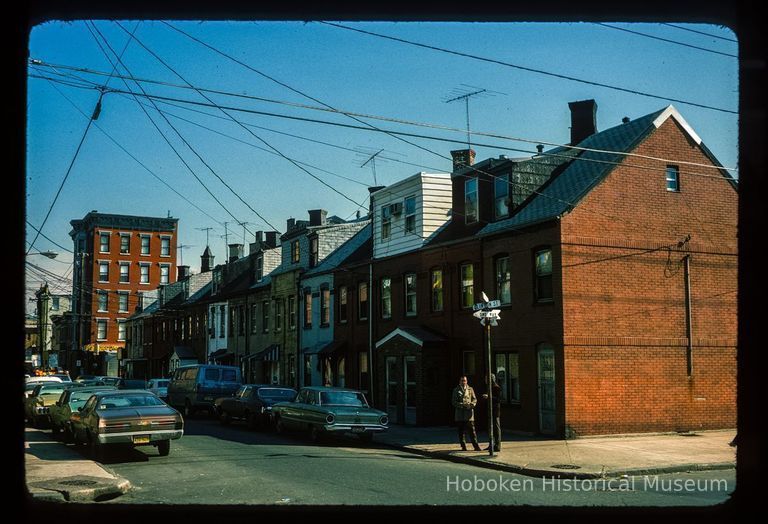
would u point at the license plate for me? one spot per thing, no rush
(141, 439)
(358, 430)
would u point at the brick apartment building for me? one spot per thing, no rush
(117, 259)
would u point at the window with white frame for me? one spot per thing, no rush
(125, 243)
(437, 290)
(503, 280)
(325, 306)
(314, 251)
(410, 214)
(291, 312)
(467, 285)
(103, 242)
(144, 274)
(103, 271)
(103, 301)
(501, 196)
(386, 297)
(145, 244)
(362, 301)
(165, 271)
(307, 308)
(54, 303)
(124, 272)
(544, 275)
(295, 252)
(122, 302)
(673, 178)
(120, 330)
(386, 222)
(265, 316)
(259, 267)
(165, 246)
(278, 314)
(470, 201)
(507, 371)
(410, 295)
(101, 329)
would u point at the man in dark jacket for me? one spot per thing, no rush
(464, 401)
(496, 399)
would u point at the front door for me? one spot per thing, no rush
(546, 357)
(410, 389)
(392, 387)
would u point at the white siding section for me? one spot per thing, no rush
(433, 202)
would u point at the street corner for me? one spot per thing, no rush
(79, 488)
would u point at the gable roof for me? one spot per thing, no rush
(339, 255)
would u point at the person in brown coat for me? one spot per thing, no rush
(464, 401)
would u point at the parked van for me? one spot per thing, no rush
(197, 386)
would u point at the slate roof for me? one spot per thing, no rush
(340, 254)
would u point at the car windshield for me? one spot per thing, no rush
(276, 393)
(82, 396)
(342, 398)
(161, 384)
(129, 401)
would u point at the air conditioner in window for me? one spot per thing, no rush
(396, 209)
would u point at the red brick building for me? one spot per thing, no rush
(117, 259)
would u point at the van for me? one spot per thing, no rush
(197, 386)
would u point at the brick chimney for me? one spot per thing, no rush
(272, 237)
(463, 158)
(290, 224)
(235, 252)
(182, 272)
(583, 120)
(317, 217)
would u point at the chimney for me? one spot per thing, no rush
(272, 237)
(583, 120)
(183, 272)
(317, 217)
(540, 148)
(625, 120)
(290, 224)
(206, 260)
(463, 158)
(371, 191)
(235, 252)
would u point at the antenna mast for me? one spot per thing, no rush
(473, 91)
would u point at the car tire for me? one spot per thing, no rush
(189, 411)
(164, 447)
(224, 418)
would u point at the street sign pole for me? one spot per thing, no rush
(491, 445)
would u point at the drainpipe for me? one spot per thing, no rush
(370, 329)
(299, 353)
(688, 315)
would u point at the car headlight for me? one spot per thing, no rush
(384, 420)
(331, 418)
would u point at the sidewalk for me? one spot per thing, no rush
(588, 457)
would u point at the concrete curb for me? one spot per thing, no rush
(80, 488)
(564, 474)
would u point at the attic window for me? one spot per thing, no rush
(673, 178)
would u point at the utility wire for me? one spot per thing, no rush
(665, 40)
(701, 33)
(48, 239)
(529, 69)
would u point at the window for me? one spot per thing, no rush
(140, 301)
(241, 320)
(222, 321)
(278, 314)
(410, 214)
(470, 201)
(103, 242)
(121, 331)
(232, 320)
(386, 297)
(544, 275)
(295, 252)
(343, 304)
(507, 371)
(101, 329)
(122, 302)
(292, 312)
(103, 271)
(145, 244)
(253, 318)
(103, 301)
(673, 178)
(362, 358)
(313, 251)
(341, 373)
(307, 370)
(124, 275)
(165, 246)
(212, 326)
(437, 290)
(386, 222)
(144, 277)
(307, 308)
(325, 306)
(165, 271)
(125, 244)
(410, 295)
(501, 196)
(259, 268)
(55, 303)
(503, 280)
(362, 301)
(467, 286)
(265, 316)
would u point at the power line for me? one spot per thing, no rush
(665, 40)
(701, 33)
(48, 239)
(529, 69)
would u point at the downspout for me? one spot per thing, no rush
(688, 315)
(370, 329)
(299, 353)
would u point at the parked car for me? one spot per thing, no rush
(42, 397)
(159, 386)
(132, 417)
(46, 378)
(252, 403)
(197, 386)
(71, 399)
(322, 411)
(110, 381)
(86, 378)
(63, 376)
(130, 383)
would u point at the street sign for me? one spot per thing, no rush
(486, 305)
(487, 314)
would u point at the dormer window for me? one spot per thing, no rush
(470, 201)
(314, 254)
(295, 252)
(259, 268)
(410, 214)
(501, 196)
(386, 222)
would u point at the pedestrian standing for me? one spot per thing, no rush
(464, 402)
(496, 408)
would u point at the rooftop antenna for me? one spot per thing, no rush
(465, 93)
(181, 247)
(243, 224)
(206, 229)
(371, 155)
(372, 160)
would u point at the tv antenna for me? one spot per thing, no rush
(465, 93)
(244, 229)
(371, 155)
(206, 229)
(181, 247)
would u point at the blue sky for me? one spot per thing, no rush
(346, 70)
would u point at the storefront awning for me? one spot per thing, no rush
(269, 354)
(329, 349)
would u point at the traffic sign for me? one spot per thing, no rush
(486, 305)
